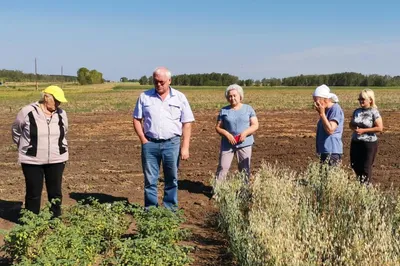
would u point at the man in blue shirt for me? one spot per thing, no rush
(329, 127)
(161, 117)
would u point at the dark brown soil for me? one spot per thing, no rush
(105, 163)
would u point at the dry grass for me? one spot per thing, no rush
(103, 98)
(320, 217)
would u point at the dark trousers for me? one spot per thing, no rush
(34, 174)
(332, 159)
(362, 156)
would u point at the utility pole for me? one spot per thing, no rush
(62, 77)
(36, 77)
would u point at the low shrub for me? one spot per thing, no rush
(320, 217)
(92, 233)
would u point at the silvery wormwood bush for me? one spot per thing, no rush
(321, 216)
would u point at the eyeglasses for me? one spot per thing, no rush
(161, 82)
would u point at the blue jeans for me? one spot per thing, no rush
(153, 152)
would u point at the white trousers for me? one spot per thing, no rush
(243, 156)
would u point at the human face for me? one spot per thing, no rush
(364, 102)
(50, 103)
(321, 101)
(161, 82)
(234, 98)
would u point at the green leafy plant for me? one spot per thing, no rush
(156, 241)
(93, 233)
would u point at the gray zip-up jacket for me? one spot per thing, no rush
(40, 141)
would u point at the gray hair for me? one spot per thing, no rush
(162, 69)
(43, 94)
(234, 87)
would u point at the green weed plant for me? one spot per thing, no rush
(91, 233)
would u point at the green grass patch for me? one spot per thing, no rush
(91, 233)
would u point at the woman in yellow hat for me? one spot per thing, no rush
(40, 131)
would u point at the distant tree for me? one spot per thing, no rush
(143, 80)
(95, 77)
(264, 82)
(257, 82)
(184, 80)
(240, 82)
(248, 82)
(83, 76)
(150, 80)
(86, 76)
(395, 81)
(211, 79)
(19, 76)
(123, 79)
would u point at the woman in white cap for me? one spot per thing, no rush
(329, 127)
(236, 124)
(40, 131)
(365, 123)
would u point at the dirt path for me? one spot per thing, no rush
(105, 163)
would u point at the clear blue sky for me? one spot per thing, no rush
(250, 39)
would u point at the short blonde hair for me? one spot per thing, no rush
(237, 88)
(369, 94)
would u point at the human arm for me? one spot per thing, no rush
(186, 134)
(65, 121)
(137, 121)
(352, 124)
(250, 130)
(220, 130)
(378, 127)
(187, 118)
(328, 125)
(17, 127)
(137, 125)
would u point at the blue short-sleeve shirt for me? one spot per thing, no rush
(163, 119)
(331, 143)
(235, 122)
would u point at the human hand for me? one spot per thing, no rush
(320, 108)
(232, 140)
(242, 137)
(184, 153)
(359, 131)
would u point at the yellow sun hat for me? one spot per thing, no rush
(57, 93)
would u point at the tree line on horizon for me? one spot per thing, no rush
(86, 76)
(224, 79)
(19, 76)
